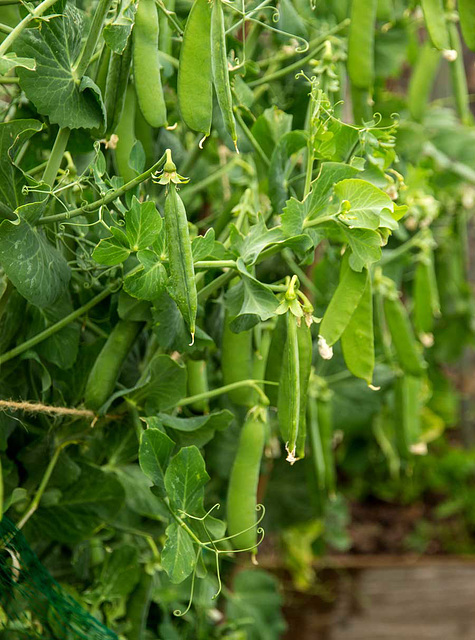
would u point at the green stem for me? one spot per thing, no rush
(216, 175)
(170, 16)
(13, 35)
(91, 42)
(295, 66)
(54, 328)
(213, 393)
(304, 279)
(317, 221)
(56, 156)
(394, 254)
(113, 195)
(309, 172)
(9, 80)
(215, 264)
(251, 138)
(4, 28)
(6, 3)
(214, 285)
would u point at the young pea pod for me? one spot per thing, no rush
(304, 338)
(342, 306)
(408, 410)
(116, 87)
(103, 69)
(288, 406)
(361, 43)
(236, 362)
(434, 15)
(357, 340)
(182, 284)
(274, 359)
(402, 336)
(197, 383)
(126, 137)
(147, 80)
(195, 88)
(426, 299)
(219, 64)
(467, 21)
(422, 80)
(458, 75)
(103, 376)
(321, 439)
(243, 483)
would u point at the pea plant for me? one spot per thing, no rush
(233, 263)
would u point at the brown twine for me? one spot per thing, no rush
(36, 407)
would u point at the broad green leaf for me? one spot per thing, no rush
(117, 32)
(367, 204)
(254, 297)
(198, 430)
(365, 247)
(110, 252)
(52, 87)
(12, 135)
(150, 281)
(288, 145)
(138, 495)
(269, 127)
(35, 267)
(11, 60)
(154, 453)
(143, 224)
(166, 385)
(202, 246)
(170, 329)
(94, 498)
(185, 479)
(178, 556)
(120, 573)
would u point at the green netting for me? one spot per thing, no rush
(33, 604)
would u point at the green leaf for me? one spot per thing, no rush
(170, 329)
(53, 87)
(154, 453)
(117, 32)
(202, 246)
(138, 495)
(365, 247)
(143, 224)
(178, 556)
(289, 144)
(254, 297)
(35, 267)
(367, 204)
(166, 385)
(198, 430)
(120, 573)
(11, 60)
(150, 281)
(110, 252)
(185, 479)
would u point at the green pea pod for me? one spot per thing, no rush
(219, 64)
(408, 409)
(459, 77)
(423, 313)
(182, 284)
(274, 359)
(422, 80)
(103, 69)
(402, 337)
(467, 21)
(166, 34)
(105, 371)
(147, 80)
(138, 606)
(195, 88)
(243, 483)
(126, 137)
(316, 445)
(304, 338)
(361, 43)
(197, 383)
(288, 406)
(236, 362)
(434, 15)
(357, 340)
(321, 440)
(116, 87)
(343, 303)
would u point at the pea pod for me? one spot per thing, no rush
(422, 80)
(357, 340)
(423, 310)
(434, 15)
(236, 362)
(408, 407)
(288, 406)
(459, 77)
(243, 483)
(116, 87)
(402, 336)
(103, 68)
(467, 21)
(182, 284)
(147, 80)
(321, 439)
(195, 89)
(138, 606)
(274, 359)
(126, 137)
(197, 383)
(343, 303)
(304, 338)
(219, 64)
(361, 43)
(103, 376)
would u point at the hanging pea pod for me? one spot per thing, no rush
(357, 340)
(288, 407)
(147, 80)
(458, 75)
(304, 339)
(236, 362)
(402, 336)
(434, 15)
(103, 69)
(219, 63)
(274, 359)
(243, 483)
(422, 80)
(408, 414)
(197, 383)
(116, 87)
(467, 21)
(126, 137)
(320, 425)
(195, 88)
(361, 43)
(423, 298)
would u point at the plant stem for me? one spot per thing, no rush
(113, 195)
(214, 285)
(91, 42)
(254, 384)
(4, 28)
(215, 264)
(216, 175)
(295, 66)
(251, 138)
(394, 254)
(170, 16)
(13, 35)
(54, 328)
(56, 156)
(304, 279)
(9, 80)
